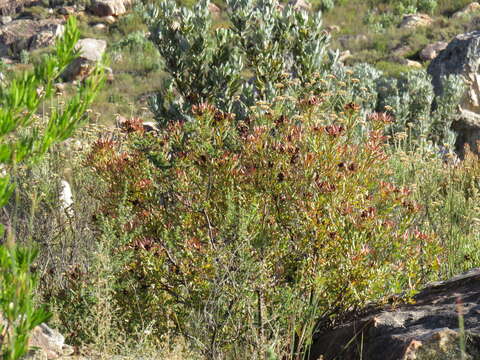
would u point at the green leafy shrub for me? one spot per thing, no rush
(378, 22)
(252, 235)
(327, 5)
(65, 239)
(128, 48)
(19, 315)
(25, 138)
(428, 6)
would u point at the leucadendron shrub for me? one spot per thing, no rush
(252, 235)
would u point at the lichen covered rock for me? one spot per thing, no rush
(25, 34)
(426, 329)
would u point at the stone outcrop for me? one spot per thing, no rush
(27, 34)
(91, 52)
(410, 63)
(431, 51)
(4, 20)
(415, 20)
(8, 7)
(470, 9)
(462, 57)
(48, 344)
(424, 330)
(99, 26)
(45, 343)
(344, 55)
(109, 7)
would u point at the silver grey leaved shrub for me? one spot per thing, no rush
(236, 66)
(424, 117)
(203, 65)
(233, 67)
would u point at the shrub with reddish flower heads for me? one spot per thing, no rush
(334, 130)
(250, 235)
(380, 117)
(134, 124)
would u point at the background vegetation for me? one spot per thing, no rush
(282, 190)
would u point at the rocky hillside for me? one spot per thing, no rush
(396, 40)
(259, 174)
(109, 28)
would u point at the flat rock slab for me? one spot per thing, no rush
(91, 49)
(411, 21)
(431, 51)
(425, 330)
(467, 10)
(10, 6)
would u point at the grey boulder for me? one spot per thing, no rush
(47, 343)
(11, 6)
(109, 7)
(431, 51)
(411, 21)
(462, 57)
(27, 34)
(91, 52)
(470, 9)
(427, 329)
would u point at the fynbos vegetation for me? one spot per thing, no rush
(274, 192)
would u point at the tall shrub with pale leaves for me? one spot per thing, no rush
(233, 67)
